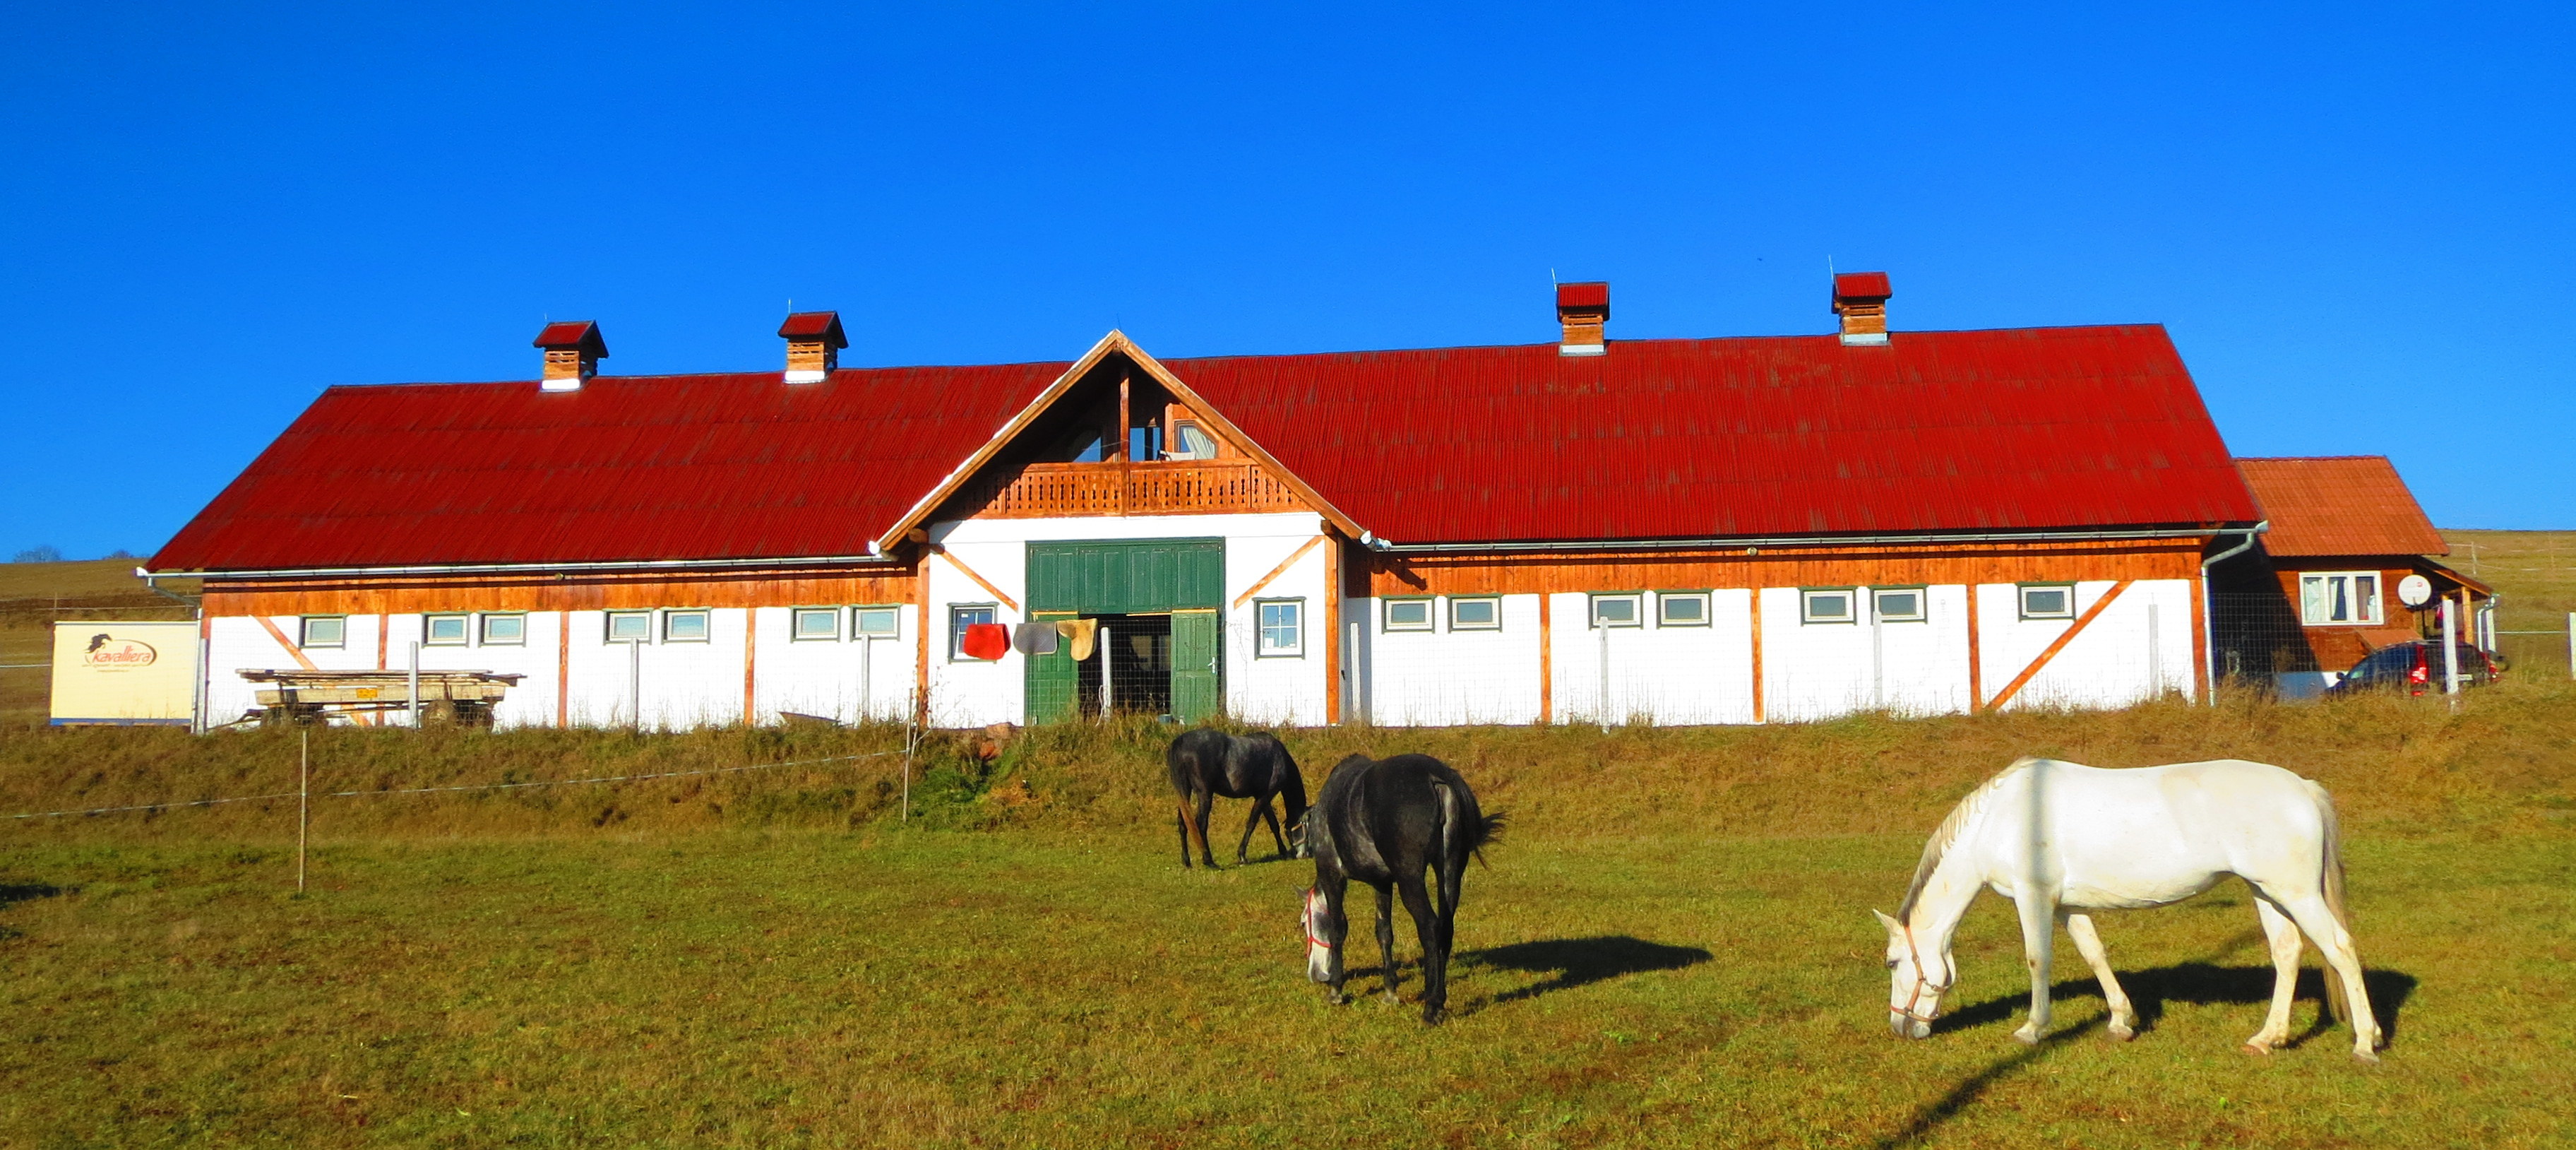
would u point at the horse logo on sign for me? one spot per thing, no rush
(109, 653)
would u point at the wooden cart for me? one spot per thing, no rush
(458, 698)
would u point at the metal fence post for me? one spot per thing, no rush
(413, 690)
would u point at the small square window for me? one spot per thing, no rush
(1897, 604)
(505, 630)
(874, 622)
(817, 623)
(1408, 614)
(324, 630)
(1618, 610)
(1682, 609)
(630, 626)
(443, 630)
(684, 626)
(1475, 614)
(2048, 601)
(1828, 606)
(959, 619)
(1283, 628)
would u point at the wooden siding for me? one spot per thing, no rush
(1773, 567)
(1169, 487)
(550, 593)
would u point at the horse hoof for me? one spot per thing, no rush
(2122, 1033)
(2262, 1048)
(2368, 1056)
(2027, 1036)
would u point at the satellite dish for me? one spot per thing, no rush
(2414, 590)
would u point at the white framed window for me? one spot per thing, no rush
(323, 631)
(1827, 605)
(630, 627)
(444, 630)
(1897, 604)
(505, 630)
(1681, 609)
(959, 619)
(1477, 613)
(2339, 598)
(814, 624)
(1623, 610)
(1283, 628)
(684, 626)
(875, 622)
(1408, 614)
(2047, 600)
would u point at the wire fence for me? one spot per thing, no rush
(178, 804)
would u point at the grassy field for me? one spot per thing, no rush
(1671, 948)
(2535, 573)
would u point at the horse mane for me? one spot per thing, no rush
(1952, 826)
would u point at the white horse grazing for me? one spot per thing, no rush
(2057, 837)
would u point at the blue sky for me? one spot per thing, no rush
(2354, 220)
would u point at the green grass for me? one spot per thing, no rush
(1032, 988)
(1672, 947)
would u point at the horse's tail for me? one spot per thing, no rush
(2332, 868)
(1292, 782)
(1183, 760)
(1464, 824)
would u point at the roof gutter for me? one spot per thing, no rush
(874, 556)
(1733, 541)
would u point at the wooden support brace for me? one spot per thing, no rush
(969, 572)
(2081, 622)
(270, 626)
(1277, 571)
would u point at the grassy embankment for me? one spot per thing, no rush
(1672, 948)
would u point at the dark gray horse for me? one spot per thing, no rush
(1206, 763)
(1384, 823)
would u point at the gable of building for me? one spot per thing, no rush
(2343, 505)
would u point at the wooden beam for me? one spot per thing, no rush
(2200, 685)
(1334, 577)
(1277, 571)
(2081, 622)
(969, 572)
(270, 626)
(1546, 662)
(563, 669)
(750, 654)
(1113, 341)
(1976, 664)
(1758, 701)
(921, 647)
(1228, 430)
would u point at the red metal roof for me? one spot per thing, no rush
(1862, 285)
(2068, 428)
(2339, 505)
(572, 333)
(1583, 297)
(627, 468)
(810, 324)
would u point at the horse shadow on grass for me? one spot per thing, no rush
(2201, 983)
(1580, 961)
(2149, 991)
(12, 894)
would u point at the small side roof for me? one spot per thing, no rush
(822, 325)
(2339, 505)
(579, 333)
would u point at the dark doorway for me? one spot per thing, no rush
(1137, 650)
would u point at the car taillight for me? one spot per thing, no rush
(2418, 675)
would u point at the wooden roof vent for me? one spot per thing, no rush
(1584, 309)
(573, 351)
(814, 343)
(1860, 298)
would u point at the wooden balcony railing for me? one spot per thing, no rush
(1171, 487)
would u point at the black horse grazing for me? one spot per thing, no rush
(1384, 823)
(1206, 763)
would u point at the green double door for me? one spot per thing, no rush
(1184, 578)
